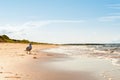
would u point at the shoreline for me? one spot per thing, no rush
(102, 66)
(15, 64)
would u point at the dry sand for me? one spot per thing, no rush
(15, 64)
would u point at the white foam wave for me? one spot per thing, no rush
(84, 50)
(116, 62)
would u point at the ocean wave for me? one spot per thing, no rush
(98, 51)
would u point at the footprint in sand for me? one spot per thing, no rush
(1, 72)
(12, 75)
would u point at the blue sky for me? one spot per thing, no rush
(61, 21)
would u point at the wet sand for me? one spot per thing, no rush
(15, 64)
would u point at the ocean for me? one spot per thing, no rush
(103, 61)
(106, 51)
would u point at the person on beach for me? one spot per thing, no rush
(29, 48)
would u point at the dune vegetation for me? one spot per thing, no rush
(6, 39)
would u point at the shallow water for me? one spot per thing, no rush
(83, 58)
(89, 51)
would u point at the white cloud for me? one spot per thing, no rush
(15, 31)
(20, 31)
(36, 23)
(47, 22)
(109, 18)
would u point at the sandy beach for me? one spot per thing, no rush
(15, 64)
(59, 39)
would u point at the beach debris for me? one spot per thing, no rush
(34, 57)
(12, 77)
(29, 48)
(1, 72)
